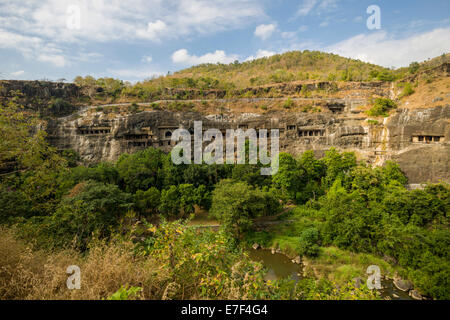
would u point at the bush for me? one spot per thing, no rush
(407, 90)
(308, 242)
(236, 204)
(90, 207)
(289, 103)
(381, 107)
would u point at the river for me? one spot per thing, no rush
(279, 266)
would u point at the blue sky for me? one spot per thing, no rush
(135, 39)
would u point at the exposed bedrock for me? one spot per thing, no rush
(417, 139)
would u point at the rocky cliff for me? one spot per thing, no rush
(418, 139)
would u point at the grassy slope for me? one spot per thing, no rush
(290, 66)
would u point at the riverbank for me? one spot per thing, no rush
(331, 263)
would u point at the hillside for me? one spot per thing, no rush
(237, 79)
(290, 66)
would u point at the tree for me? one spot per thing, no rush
(413, 67)
(308, 242)
(141, 170)
(381, 107)
(25, 153)
(90, 207)
(338, 165)
(147, 202)
(288, 179)
(236, 204)
(170, 201)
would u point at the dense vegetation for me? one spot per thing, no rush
(115, 219)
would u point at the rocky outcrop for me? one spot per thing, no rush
(417, 139)
(403, 285)
(39, 95)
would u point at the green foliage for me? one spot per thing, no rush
(125, 293)
(413, 67)
(289, 103)
(386, 76)
(91, 207)
(236, 204)
(308, 242)
(337, 166)
(407, 90)
(61, 107)
(147, 202)
(141, 170)
(310, 289)
(381, 107)
(288, 179)
(71, 156)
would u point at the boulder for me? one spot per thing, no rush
(297, 260)
(256, 246)
(358, 282)
(403, 285)
(415, 295)
(272, 251)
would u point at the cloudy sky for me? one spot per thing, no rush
(135, 39)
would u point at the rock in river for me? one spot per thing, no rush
(415, 295)
(403, 285)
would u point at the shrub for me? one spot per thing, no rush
(308, 242)
(381, 107)
(407, 90)
(236, 204)
(90, 207)
(289, 103)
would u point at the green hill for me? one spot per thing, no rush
(286, 67)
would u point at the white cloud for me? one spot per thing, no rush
(327, 5)
(17, 73)
(387, 51)
(306, 7)
(147, 59)
(155, 30)
(288, 35)
(261, 54)
(182, 56)
(127, 20)
(32, 48)
(316, 6)
(134, 74)
(303, 28)
(32, 27)
(264, 31)
(56, 60)
(324, 24)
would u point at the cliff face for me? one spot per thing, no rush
(417, 138)
(40, 95)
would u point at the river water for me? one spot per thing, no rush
(279, 266)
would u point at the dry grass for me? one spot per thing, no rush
(29, 274)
